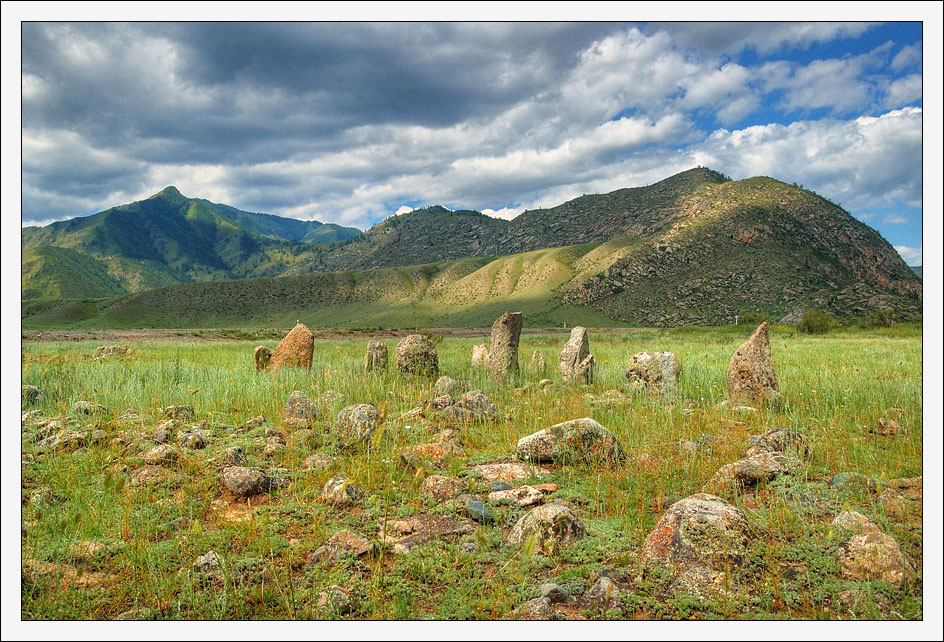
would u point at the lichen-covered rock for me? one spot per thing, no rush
(232, 456)
(851, 481)
(555, 593)
(604, 594)
(406, 533)
(575, 359)
(244, 482)
(342, 542)
(885, 427)
(449, 386)
(751, 376)
(554, 526)
(480, 355)
(508, 471)
(474, 406)
(579, 439)
(178, 412)
(340, 491)
(657, 371)
(88, 408)
(295, 350)
(441, 488)
(537, 364)
(30, 395)
(208, 567)
(539, 609)
(299, 411)
(375, 359)
(194, 439)
(151, 476)
(336, 599)
(503, 352)
(873, 556)
(524, 496)
(261, 356)
(162, 455)
(700, 539)
(417, 355)
(778, 440)
(356, 424)
(102, 352)
(752, 470)
(850, 520)
(317, 461)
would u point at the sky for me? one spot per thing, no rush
(351, 123)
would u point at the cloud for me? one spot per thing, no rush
(763, 37)
(911, 255)
(908, 55)
(403, 209)
(894, 219)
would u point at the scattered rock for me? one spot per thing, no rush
(657, 371)
(556, 593)
(441, 488)
(151, 476)
(538, 609)
(508, 471)
(751, 376)
(554, 526)
(885, 427)
(409, 532)
(244, 482)
(295, 350)
(318, 460)
(162, 455)
(88, 408)
(580, 439)
(778, 440)
(850, 520)
(340, 491)
(699, 540)
(299, 412)
(856, 482)
(478, 511)
(255, 422)
(480, 355)
(857, 601)
(232, 456)
(356, 424)
(524, 496)
(273, 449)
(474, 406)
(337, 599)
(261, 356)
(752, 470)
(442, 402)
(111, 351)
(873, 556)
(576, 363)
(342, 542)
(195, 440)
(537, 363)
(604, 594)
(416, 355)
(30, 395)
(375, 359)
(184, 413)
(135, 614)
(447, 386)
(208, 567)
(31, 417)
(503, 353)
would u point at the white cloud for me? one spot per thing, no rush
(903, 91)
(908, 55)
(894, 219)
(506, 213)
(403, 209)
(911, 255)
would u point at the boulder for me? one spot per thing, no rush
(554, 526)
(416, 355)
(356, 424)
(244, 482)
(752, 470)
(503, 352)
(441, 488)
(579, 439)
(576, 362)
(873, 556)
(299, 411)
(480, 355)
(699, 540)
(538, 609)
(261, 356)
(340, 491)
(342, 542)
(778, 440)
(751, 376)
(656, 371)
(855, 522)
(474, 406)
(375, 360)
(507, 471)
(406, 533)
(178, 412)
(295, 350)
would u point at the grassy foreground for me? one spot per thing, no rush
(834, 388)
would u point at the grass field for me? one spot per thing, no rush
(834, 388)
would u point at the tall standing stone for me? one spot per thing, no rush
(415, 354)
(537, 364)
(295, 350)
(576, 363)
(376, 357)
(503, 353)
(751, 376)
(261, 355)
(658, 371)
(480, 355)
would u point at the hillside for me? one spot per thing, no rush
(167, 238)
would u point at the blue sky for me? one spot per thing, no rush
(352, 122)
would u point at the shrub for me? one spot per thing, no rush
(880, 318)
(816, 322)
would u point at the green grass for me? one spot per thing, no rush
(833, 387)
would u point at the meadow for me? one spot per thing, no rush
(834, 388)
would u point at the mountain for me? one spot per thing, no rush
(165, 239)
(918, 270)
(696, 248)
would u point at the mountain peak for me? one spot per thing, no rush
(169, 192)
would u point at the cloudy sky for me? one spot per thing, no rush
(352, 122)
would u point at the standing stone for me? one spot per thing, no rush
(537, 364)
(376, 357)
(503, 354)
(295, 350)
(657, 371)
(751, 376)
(480, 355)
(576, 363)
(261, 355)
(415, 354)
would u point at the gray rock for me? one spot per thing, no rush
(88, 408)
(656, 371)
(474, 406)
(233, 456)
(299, 411)
(503, 353)
(195, 440)
(478, 511)
(356, 424)
(575, 359)
(751, 376)
(152, 476)
(340, 491)
(538, 609)
(604, 594)
(447, 386)
(855, 482)
(579, 439)
(336, 599)
(873, 556)
(162, 455)
(778, 440)
(208, 567)
(244, 482)
(318, 460)
(554, 526)
(417, 355)
(855, 522)
(341, 543)
(556, 593)
(752, 470)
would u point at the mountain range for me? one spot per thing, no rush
(695, 248)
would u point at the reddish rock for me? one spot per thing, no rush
(295, 350)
